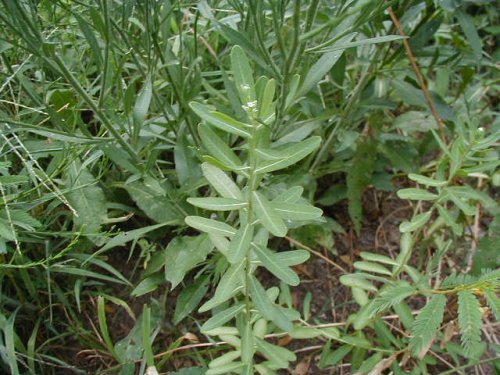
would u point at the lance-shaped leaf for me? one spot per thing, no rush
(372, 267)
(266, 307)
(293, 257)
(357, 281)
(217, 147)
(210, 226)
(268, 217)
(243, 76)
(222, 317)
(230, 284)
(273, 264)
(279, 355)
(238, 248)
(417, 222)
(266, 104)
(218, 204)
(247, 344)
(416, 194)
(426, 180)
(291, 195)
(287, 155)
(221, 182)
(293, 211)
(220, 120)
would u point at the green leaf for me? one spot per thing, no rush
(272, 263)
(391, 296)
(416, 194)
(222, 317)
(189, 298)
(342, 45)
(469, 320)
(426, 180)
(225, 359)
(467, 24)
(287, 155)
(277, 354)
(217, 147)
(293, 211)
(357, 281)
(243, 77)
(378, 258)
(465, 207)
(291, 195)
(266, 307)
(86, 198)
(152, 202)
(230, 284)
(493, 302)
(329, 358)
(210, 226)
(247, 344)
(141, 106)
(266, 101)
(218, 204)
(221, 182)
(147, 285)
(372, 267)
(292, 258)
(359, 177)
(427, 323)
(267, 216)
(220, 120)
(323, 66)
(417, 222)
(183, 254)
(238, 248)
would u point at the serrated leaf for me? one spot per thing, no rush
(293, 211)
(86, 197)
(267, 216)
(493, 302)
(219, 319)
(417, 222)
(389, 297)
(416, 194)
(221, 182)
(210, 226)
(277, 268)
(217, 147)
(218, 204)
(266, 307)
(220, 120)
(183, 254)
(372, 267)
(287, 155)
(469, 320)
(153, 203)
(239, 245)
(427, 323)
(230, 283)
(423, 180)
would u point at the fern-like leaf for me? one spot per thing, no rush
(390, 297)
(469, 320)
(427, 323)
(493, 302)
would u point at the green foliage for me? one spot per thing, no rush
(128, 127)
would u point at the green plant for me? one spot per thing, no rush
(262, 209)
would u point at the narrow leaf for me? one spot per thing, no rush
(272, 263)
(293, 211)
(217, 147)
(218, 204)
(268, 217)
(221, 182)
(210, 226)
(222, 317)
(417, 222)
(238, 248)
(220, 120)
(416, 194)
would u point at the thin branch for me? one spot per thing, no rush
(420, 77)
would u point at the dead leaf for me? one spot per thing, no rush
(384, 364)
(302, 368)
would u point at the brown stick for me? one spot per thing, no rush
(420, 77)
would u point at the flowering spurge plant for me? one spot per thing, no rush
(240, 157)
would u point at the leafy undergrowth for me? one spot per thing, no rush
(304, 187)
